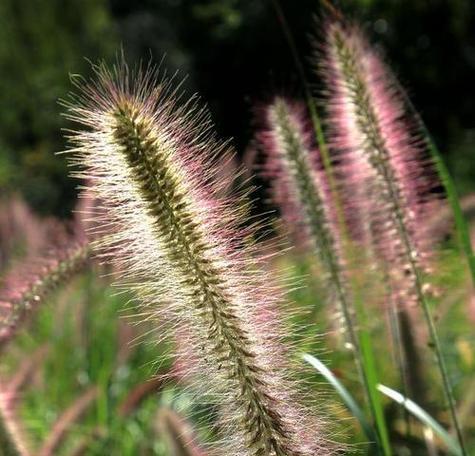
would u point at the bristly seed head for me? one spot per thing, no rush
(388, 179)
(300, 189)
(28, 284)
(183, 249)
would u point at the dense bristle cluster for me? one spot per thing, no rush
(297, 180)
(300, 189)
(187, 256)
(389, 184)
(26, 286)
(388, 180)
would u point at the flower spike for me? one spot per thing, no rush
(389, 180)
(179, 243)
(299, 188)
(28, 285)
(390, 183)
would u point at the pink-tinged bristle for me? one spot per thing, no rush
(300, 188)
(388, 183)
(277, 169)
(405, 157)
(29, 283)
(407, 150)
(179, 242)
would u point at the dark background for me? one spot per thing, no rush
(235, 54)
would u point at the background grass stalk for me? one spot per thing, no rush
(297, 163)
(367, 122)
(9, 445)
(27, 287)
(360, 360)
(399, 359)
(316, 120)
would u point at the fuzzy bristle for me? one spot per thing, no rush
(389, 182)
(300, 189)
(298, 184)
(182, 246)
(392, 186)
(28, 284)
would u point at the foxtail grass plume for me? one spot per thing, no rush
(388, 179)
(300, 190)
(390, 183)
(182, 246)
(29, 283)
(291, 165)
(381, 164)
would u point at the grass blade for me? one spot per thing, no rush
(461, 224)
(344, 394)
(452, 195)
(423, 417)
(372, 378)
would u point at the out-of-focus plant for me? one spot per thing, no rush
(161, 206)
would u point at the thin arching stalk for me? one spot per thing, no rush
(350, 60)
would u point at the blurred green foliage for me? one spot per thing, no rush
(41, 43)
(94, 337)
(236, 56)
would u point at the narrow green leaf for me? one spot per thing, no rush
(372, 378)
(423, 417)
(464, 238)
(461, 224)
(344, 394)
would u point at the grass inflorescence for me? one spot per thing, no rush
(169, 219)
(191, 261)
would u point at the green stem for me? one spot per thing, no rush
(462, 228)
(400, 361)
(323, 148)
(378, 158)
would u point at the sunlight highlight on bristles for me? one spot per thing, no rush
(182, 246)
(299, 187)
(390, 185)
(389, 188)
